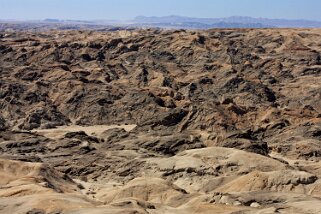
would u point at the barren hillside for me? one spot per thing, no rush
(159, 121)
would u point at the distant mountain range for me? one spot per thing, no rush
(174, 22)
(230, 22)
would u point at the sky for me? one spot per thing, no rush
(128, 9)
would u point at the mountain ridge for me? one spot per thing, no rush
(182, 22)
(277, 23)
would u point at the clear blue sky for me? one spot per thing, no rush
(127, 9)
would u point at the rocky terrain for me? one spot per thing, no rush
(160, 121)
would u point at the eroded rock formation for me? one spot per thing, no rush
(160, 121)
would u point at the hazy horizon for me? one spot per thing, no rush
(133, 18)
(127, 9)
